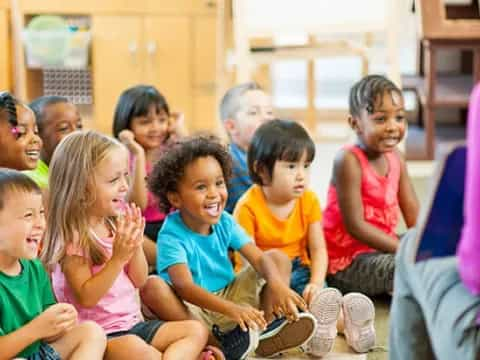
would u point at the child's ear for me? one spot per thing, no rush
(261, 172)
(230, 127)
(353, 121)
(174, 199)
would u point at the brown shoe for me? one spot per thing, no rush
(282, 335)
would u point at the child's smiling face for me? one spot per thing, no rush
(20, 146)
(60, 119)
(22, 224)
(382, 130)
(201, 194)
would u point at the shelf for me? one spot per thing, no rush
(450, 91)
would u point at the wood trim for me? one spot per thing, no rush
(435, 25)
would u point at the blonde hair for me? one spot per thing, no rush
(71, 181)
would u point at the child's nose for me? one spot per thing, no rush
(40, 222)
(35, 139)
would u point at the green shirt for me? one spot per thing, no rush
(39, 175)
(23, 297)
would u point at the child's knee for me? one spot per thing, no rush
(154, 289)
(90, 331)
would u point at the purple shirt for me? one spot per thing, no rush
(469, 248)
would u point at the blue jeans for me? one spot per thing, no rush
(300, 276)
(45, 352)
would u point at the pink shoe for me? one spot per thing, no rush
(325, 307)
(359, 314)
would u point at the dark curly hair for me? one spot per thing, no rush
(169, 170)
(365, 93)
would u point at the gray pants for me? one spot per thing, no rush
(433, 316)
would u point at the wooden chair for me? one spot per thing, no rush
(339, 26)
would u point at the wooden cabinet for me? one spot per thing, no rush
(172, 45)
(205, 63)
(5, 53)
(168, 65)
(132, 50)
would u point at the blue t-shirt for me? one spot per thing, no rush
(205, 255)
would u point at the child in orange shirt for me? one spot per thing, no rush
(279, 212)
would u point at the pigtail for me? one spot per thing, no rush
(8, 104)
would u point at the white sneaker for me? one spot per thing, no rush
(359, 315)
(325, 307)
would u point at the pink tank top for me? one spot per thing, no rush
(117, 310)
(380, 205)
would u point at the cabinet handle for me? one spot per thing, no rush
(151, 47)
(211, 4)
(132, 47)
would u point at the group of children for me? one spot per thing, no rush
(106, 229)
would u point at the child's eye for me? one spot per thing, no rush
(79, 126)
(200, 187)
(220, 183)
(292, 166)
(114, 180)
(28, 215)
(307, 165)
(380, 119)
(400, 118)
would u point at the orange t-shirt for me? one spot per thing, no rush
(269, 232)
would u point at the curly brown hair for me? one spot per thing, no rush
(169, 170)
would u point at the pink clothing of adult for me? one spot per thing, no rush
(380, 209)
(117, 310)
(469, 248)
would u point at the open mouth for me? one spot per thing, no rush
(390, 141)
(33, 242)
(33, 154)
(120, 203)
(213, 209)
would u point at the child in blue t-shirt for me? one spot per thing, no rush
(192, 257)
(32, 325)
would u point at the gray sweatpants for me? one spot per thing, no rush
(433, 316)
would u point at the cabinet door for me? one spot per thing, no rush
(168, 60)
(205, 73)
(5, 52)
(117, 60)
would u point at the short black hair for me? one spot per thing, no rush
(277, 140)
(13, 180)
(39, 104)
(365, 93)
(169, 170)
(8, 105)
(136, 101)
